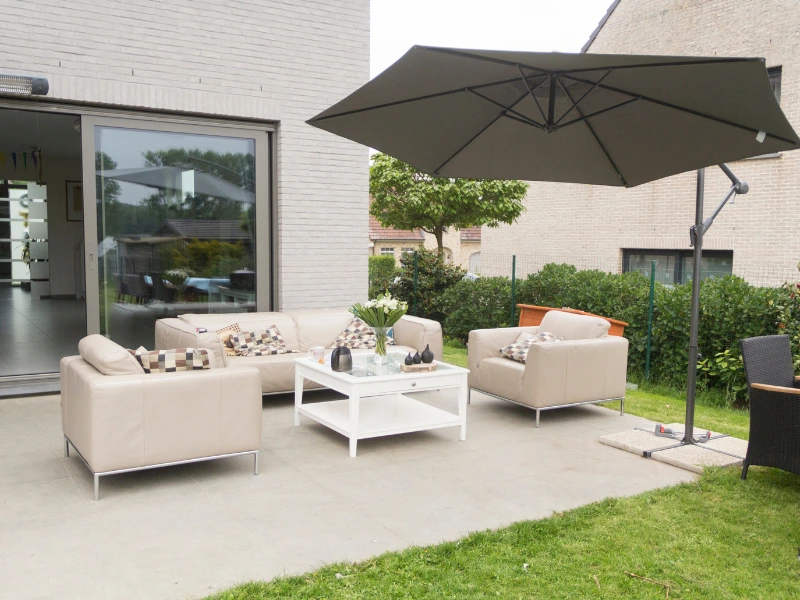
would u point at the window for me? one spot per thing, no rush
(408, 250)
(775, 74)
(389, 251)
(676, 266)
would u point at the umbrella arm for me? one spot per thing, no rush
(738, 187)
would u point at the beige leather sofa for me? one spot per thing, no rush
(120, 419)
(301, 330)
(587, 366)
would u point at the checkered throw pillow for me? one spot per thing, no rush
(518, 351)
(225, 334)
(264, 341)
(356, 335)
(171, 361)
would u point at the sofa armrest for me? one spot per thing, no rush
(417, 332)
(486, 343)
(575, 371)
(127, 421)
(174, 333)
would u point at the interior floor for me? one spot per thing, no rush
(36, 334)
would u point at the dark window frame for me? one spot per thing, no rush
(775, 79)
(678, 255)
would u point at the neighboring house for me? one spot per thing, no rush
(461, 248)
(618, 229)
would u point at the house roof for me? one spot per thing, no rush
(378, 232)
(205, 230)
(600, 25)
(471, 234)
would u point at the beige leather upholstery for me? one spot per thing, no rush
(588, 366)
(107, 357)
(132, 421)
(300, 329)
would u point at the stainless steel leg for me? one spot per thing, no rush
(255, 463)
(537, 417)
(622, 406)
(469, 395)
(66, 447)
(96, 486)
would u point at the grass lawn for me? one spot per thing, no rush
(720, 538)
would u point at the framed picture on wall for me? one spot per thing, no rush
(74, 201)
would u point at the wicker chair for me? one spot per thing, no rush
(774, 404)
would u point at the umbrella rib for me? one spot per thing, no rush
(531, 90)
(594, 114)
(407, 100)
(589, 91)
(480, 133)
(681, 108)
(508, 109)
(594, 135)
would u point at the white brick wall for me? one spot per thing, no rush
(265, 59)
(590, 224)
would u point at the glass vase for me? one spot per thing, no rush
(381, 333)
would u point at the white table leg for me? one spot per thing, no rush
(353, 406)
(463, 393)
(298, 395)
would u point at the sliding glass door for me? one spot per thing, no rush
(179, 225)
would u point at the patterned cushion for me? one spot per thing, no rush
(265, 341)
(171, 361)
(518, 351)
(358, 335)
(225, 334)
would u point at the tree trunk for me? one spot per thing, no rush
(439, 233)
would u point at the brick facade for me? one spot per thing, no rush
(259, 59)
(590, 225)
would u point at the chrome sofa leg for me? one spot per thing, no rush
(255, 463)
(622, 406)
(96, 486)
(469, 395)
(66, 447)
(537, 417)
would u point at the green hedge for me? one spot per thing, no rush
(382, 271)
(434, 276)
(730, 309)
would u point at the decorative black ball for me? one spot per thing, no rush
(417, 358)
(409, 359)
(427, 355)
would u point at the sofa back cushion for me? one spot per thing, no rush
(248, 322)
(108, 357)
(319, 327)
(570, 326)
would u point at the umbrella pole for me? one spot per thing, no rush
(696, 235)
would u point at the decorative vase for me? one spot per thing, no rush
(409, 359)
(380, 344)
(417, 358)
(427, 355)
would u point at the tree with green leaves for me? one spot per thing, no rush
(405, 198)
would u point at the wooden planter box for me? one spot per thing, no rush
(530, 315)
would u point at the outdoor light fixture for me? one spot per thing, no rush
(21, 84)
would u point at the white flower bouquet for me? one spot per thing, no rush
(380, 314)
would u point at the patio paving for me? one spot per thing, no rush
(187, 531)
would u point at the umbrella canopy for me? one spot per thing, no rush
(174, 178)
(606, 119)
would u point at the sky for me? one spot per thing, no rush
(533, 25)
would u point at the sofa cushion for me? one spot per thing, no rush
(501, 377)
(356, 335)
(570, 326)
(248, 322)
(172, 361)
(266, 341)
(518, 350)
(319, 327)
(225, 334)
(108, 357)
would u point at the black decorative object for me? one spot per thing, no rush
(341, 359)
(409, 359)
(427, 355)
(417, 358)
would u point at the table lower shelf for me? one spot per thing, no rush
(381, 415)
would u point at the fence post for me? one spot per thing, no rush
(416, 279)
(513, 290)
(650, 319)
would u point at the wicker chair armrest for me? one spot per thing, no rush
(776, 388)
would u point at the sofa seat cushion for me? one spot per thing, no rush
(501, 377)
(108, 357)
(569, 326)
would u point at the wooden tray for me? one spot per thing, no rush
(421, 368)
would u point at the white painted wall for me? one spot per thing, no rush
(283, 61)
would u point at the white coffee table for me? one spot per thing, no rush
(377, 401)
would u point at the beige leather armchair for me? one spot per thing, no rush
(588, 366)
(120, 419)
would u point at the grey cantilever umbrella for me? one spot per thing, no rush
(603, 119)
(582, 118)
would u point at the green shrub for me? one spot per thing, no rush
(382, 271)
(433, 278)
(480, 304)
